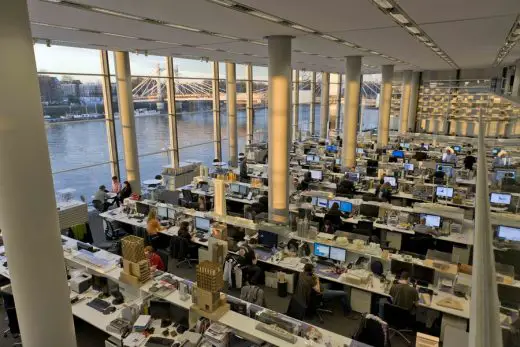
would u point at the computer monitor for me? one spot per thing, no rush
(162, 212)
(316, 175)
(426, 146)
(360, 151)
(331, 202)
(500, 198)
(408, 167)
(338, 254)
(496, 150)
(398, 154)
(432, 220)
(338, 161)
(309, 158)
(371, 171)
(508, 295)
(423, 273)
(372, 163)
(501, 174)
(397, 267)
(345, 207)
(180, 315)
(142, 208)
(405, 145)
(322, 202)
(353, 176)
(332, 148)
(369, 210)
(235, 188)
(202, 224)
(243, 189)
(314, 201)
(100, 284)
(446, 168)
(508, 233)
(171, 213)
(267, 238)
(160, 309)
(444, 192)
(390, 179)
(321, 250)
(457, 149)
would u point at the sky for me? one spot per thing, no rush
(70, 60)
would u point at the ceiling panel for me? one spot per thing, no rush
(428, 11)
(324, 47)
(199, 14)
(489, 33)
(326, 16)
(244, 47)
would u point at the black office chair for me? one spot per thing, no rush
(188, 200)
(165, 257)
(113, 233)
(365, 227)
(183, 250)
(317, 307)
(399, 321)
(98, 205)
(296, 310)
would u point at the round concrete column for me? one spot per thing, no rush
(350, 121)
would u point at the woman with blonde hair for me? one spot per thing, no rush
(152, 225)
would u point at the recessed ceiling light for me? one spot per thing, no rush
(413, 30)
(384, 4)
(265, 16)
(258, 43)
(302, 28)
(431, 44)
(177, 26)
(374, 52)
(517, 31)
(328, 37)
(399, 17)
(362, 49)
(116, 13)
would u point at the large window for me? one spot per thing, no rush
(260, 114)
(370, 90)
(72, 101)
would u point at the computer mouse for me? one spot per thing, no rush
(165, 332)
(173, 333)
(109, 310)
(176, 344)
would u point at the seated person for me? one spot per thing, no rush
(248, 262)
(346, 188)
(244, 177)
(307, 179)
(184, 230)
(403, 295)
(101, 199)
(328, 228)
(309, 284)
(125, 192)
(439, 176)
(334, 216)
(262, 206)
(339, 141)
(449, 156)
(152, 225)
(384, 191)
(154, 259)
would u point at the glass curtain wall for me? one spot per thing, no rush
(334, 95)
(72, 100)
(260, 114)
(317, 98)
(370, 91)
(304, 99)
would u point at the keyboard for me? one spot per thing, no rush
(156, 341)
(324, 262)
(98, 304)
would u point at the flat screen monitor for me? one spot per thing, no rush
(243, 190)
(423, 273)
(508, 295)
(162, 212)
(345, 207)
(372, 163)
(390, 179)
(160, 309)
(447, 169)
(501, 174)
(332, 148)
(314, 201)
(496, 150)
(405, 145)
(202, 224)
(322, 202)
(397, 267)
(338, 254)
(171, 213)
(338, 161)
(408, 167)
(457, 149)
(180, 315)
(310, 158)
(235, 188)
(369, 210)
(431, 220)
(316, 175)
(268, 238)
(321, 250)
(371, 171)
(444, 192)
(331, 202)
(500, 198)
(353, 176)
(426, 146)
(398, 154)
(360, 151)
(142, 208)
(508, 233)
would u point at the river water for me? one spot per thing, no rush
(79, 144)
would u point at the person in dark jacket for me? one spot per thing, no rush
(244, 177)
(384, 191)
(469, 161)
(125, 192)
(248, 262)
(346, 188)
(307, 179)
(334, 216)
(184, 231)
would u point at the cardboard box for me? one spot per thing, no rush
(129, 279)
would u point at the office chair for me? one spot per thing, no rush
(296, 310)
(98, 205)
(112, 233)
(317, 307)
(399, 321)
(365, 227)
(188, 200)
(183, 250)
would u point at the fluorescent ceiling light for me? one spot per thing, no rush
(348, 44)
(167, 43)
(258, 43)
(119, 35)
(265, 16)
(362, 49)
(226, 36)
(116, 13)
(423, 38)
(413, 30)
(328, 37)
(384, 4)
(374, 52)
(223, 2)
(431, 44)
(302, 28)
(55, 26)
(176, 26)
(399, 17)
(517, 31)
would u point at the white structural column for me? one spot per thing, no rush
(172, 113)
(28, 217)
(350, 121)
(338, 107)
(484, 325)
(384, 105)
(312, 116)
(414, 98)
(515, 90)
(405, 101)
(217, 136)
(296, 104)
(279, 95)
(324, 108)
(126, 110)
(231, 89)
(249, 103)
